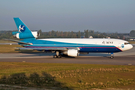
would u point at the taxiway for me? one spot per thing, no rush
(122, 58)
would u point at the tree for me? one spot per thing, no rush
(132, 33)
(86, 33)
(79, 34)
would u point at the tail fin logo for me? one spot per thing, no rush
(21, 28)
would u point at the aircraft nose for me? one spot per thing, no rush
(130, 46)
(127, 47)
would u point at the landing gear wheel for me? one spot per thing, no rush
(59, 56)
(112, 57)
(54, 56)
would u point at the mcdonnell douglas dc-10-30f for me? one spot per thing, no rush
(67, 46)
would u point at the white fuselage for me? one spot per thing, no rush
(121, 44)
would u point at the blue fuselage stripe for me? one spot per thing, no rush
(83, 49)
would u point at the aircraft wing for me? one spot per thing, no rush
(50, 49)
(18, 41)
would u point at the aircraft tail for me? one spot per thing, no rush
(23, 31)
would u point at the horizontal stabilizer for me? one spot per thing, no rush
(18, 41)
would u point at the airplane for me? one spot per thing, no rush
(67, 46)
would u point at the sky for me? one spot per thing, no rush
(69, 15)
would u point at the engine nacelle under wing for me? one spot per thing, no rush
(71, 52)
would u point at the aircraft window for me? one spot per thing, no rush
(126, 43)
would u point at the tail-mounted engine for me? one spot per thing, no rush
(20, 35)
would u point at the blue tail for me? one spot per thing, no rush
(23, 31)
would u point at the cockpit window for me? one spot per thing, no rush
(126, 43)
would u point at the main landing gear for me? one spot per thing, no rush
(58, 55)
(112, 56)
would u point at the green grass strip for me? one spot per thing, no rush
(71, 76)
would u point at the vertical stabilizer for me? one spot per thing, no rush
(23, 31)
(21, 26)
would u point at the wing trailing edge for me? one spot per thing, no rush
(18, 42)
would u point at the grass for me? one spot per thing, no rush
(12, 49)
(73, 76)
(8, 48)
(6, 41)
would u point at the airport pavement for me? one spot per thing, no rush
(121, 58)
(118, 60)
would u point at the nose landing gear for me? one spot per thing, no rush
(112, 56)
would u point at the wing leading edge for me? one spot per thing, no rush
(18, 41)
(51, 49)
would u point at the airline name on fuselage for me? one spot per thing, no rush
(107, 42)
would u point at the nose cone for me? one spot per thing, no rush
(127, 47)
(130, 46)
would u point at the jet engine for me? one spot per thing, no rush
(36, 34)
(19, 35)
(71, 52)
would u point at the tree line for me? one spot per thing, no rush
(79, 34)
(71, 34)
